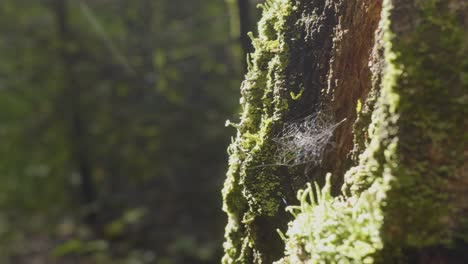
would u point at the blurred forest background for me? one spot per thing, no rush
(112, 112)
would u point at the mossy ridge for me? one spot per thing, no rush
(252, 189)
(418, 112)
(422, 209)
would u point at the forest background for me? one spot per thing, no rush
(112, 112)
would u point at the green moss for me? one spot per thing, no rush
(415, 153)
(251, 188)
(334, 230)
(418, 114)
(362, 127)
(296, 96)
(383, 128)
(430, 137)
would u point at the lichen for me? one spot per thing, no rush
(334, 230)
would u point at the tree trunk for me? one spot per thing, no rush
(372, 93)
(76, 123)
(243, 7)
(241, 24)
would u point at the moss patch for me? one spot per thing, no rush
(423, 209)
(252, 188)
(335, 230)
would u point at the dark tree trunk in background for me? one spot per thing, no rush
(388, 80)
(245, 26)
(75, 112)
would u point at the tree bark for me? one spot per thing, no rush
(390, 79)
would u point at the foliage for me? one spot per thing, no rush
(136, 93)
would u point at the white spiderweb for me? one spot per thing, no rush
(305, 141)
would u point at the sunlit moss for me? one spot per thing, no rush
(334, 230)
(252, 189)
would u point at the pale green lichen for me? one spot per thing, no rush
(332, 230)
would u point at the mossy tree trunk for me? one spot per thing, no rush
(392, 76)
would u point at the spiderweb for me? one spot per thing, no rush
(305, 141)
